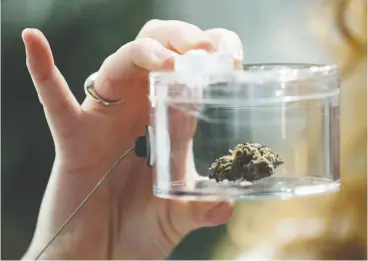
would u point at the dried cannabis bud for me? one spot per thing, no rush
(247, 161)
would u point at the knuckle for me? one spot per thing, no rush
(108, 58)
(134, 48)
(141, 52)
(141, 45)
(144, 41)
(152, 24)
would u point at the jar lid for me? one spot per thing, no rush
(202, 62)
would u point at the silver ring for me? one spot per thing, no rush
(90, 91)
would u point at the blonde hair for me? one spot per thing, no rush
(339, 220)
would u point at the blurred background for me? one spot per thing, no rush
(82, 33)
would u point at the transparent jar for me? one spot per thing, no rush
(291, 108)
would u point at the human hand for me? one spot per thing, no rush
(123, 220)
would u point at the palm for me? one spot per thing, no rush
(130, 187)
(126, 201)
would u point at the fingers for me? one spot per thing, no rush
(150, 50)
(120, 71)
(59, 103)
(155, 43)
(225, 40)
(176, 35)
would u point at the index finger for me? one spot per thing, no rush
(122, 71)
(176, 35)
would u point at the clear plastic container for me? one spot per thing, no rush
(291, 108)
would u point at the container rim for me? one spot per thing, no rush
(261, 72)
(283, 73)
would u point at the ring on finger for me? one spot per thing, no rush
(90, 91)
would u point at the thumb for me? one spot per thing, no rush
(211, 214)
(189, 216)
(218, 214)
(61, 107)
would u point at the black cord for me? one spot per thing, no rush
(84, 201)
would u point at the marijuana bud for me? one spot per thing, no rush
(247, 161)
